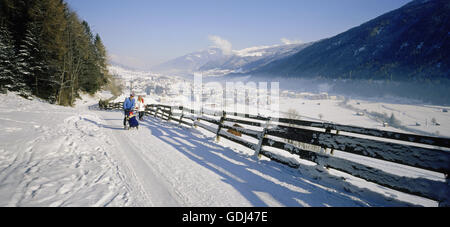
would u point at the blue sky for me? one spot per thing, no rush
(143, 33)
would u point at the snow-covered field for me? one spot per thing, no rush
(61, 156)
(417, 119)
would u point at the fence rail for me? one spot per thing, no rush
(424, 152)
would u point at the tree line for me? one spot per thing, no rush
(47, 51)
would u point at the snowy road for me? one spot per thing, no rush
(58, 156)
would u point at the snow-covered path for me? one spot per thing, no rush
(181, 167)
(57, 156)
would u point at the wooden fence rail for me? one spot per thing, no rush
(424, 152)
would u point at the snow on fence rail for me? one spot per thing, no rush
(424, 152)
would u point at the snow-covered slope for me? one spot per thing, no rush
(56, 156)
(59, 156)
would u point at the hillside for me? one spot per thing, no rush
(410, 43)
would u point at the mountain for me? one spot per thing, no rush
(408, 44)
(214, 60)
(252, 58)
(191, 62)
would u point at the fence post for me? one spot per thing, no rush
(170, 114)
(222, 119)
(196, 120)
(446, 202)
(261, 139)
(327, 130)
(156, 111)
(332, 149)
(145, 110)
(162, 113)
(182, 115)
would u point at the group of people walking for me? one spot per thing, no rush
(131, 107)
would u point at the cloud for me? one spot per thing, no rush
(288, 42)
(223, 44)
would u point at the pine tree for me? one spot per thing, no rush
(22, 72)
(30, 59)
(7, 64)
(89, 80)
(394, 121)
(102, 60)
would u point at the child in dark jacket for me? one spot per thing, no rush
(128, 106)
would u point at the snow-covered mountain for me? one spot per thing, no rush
(252, 58)
(190, 62)
(216, 61)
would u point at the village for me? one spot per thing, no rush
(175, 90)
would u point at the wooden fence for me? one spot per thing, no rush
(424, 152)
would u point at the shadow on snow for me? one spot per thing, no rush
(260, 186)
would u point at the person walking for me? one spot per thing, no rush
(128, 106)
(140, 107)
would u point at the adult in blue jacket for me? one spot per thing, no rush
(128, 106)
